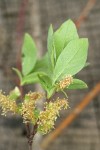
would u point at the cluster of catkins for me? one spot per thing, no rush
(29, 111)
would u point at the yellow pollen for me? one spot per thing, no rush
(48, 117)
(65, 82)
(7, 104)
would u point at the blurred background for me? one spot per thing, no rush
(34, 16)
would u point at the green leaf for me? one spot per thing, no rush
(19, 108)
(64, 35)
(18, 73)
(14, 94)
(50, 92)
(29, 56)
(51, 48)
(36, 113)
(72, 59)
(47, 85)
(41, 68)
(31, 78)
(77, 84)
(45, 81)
(49, 40)
(43, 65)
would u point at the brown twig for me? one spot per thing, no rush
(27, 129)
(30, 135)
(19, 32)
(68, 120)
(84, 14)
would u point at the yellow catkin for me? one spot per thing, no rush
(34, 95)
(28, 112)
(48, 117)
(65, 82)
(29, 106)
(7, 105)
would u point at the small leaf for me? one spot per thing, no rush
(51, 48)
(47, 85)
(64, 35)
(29, 55)
(72, 59)
(14, 94)
(18, 73)
(36, 113)
(31, 78)
(45, 81)
(49, 40)
(77, 84)
(50, 92)
(43, 65)
(41, 68)
(19, 110)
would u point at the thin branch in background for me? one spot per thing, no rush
(19, 31)
(84, 14)
(20, 27)
(78, 23)
(69, 119)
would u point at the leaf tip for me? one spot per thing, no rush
(86, 86)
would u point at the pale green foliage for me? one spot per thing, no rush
(77, 84)
(18, 73)
(29, 56)
(72, 59)
(51, 47)
(64, 35)
(66, 55)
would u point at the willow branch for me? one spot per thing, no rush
(84, 14)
